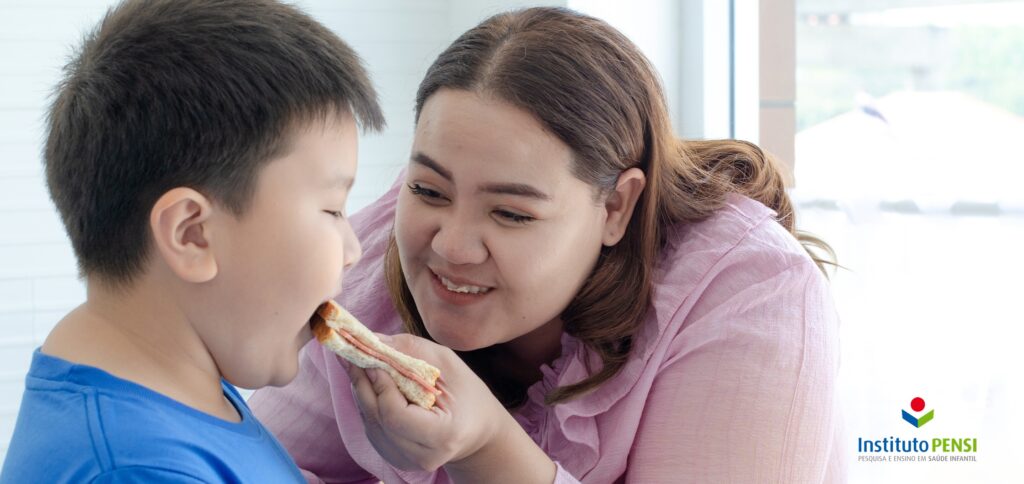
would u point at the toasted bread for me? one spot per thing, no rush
(343, 334)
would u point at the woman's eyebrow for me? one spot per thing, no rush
(517, 189)
(422, 159)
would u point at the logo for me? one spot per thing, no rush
(916, 418)
(918, 446)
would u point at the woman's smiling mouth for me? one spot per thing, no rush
(457, 291)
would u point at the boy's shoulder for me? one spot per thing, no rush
(78, 423)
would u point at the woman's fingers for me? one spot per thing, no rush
(389, 398)
(383, 405)
(406, 435)
(400, 417)
(444, 402)
(364, 395)
(399, 431)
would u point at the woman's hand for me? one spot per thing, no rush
(466, 418)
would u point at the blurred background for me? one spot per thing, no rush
(899, 122)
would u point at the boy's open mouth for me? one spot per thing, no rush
(315, 318)
(313, 321)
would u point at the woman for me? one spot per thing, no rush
(622, 305)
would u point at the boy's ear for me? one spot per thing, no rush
(181, 230)
(619, 204)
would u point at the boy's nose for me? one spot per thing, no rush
(353, 249)
(459, 244)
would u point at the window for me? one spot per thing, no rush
(908, 118)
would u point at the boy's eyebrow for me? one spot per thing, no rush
(518, 189)
(340, 181)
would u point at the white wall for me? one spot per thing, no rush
(37, 269)
(654, 26)
(397, 39)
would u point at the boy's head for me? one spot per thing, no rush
(209, 145)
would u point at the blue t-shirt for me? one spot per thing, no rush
(78, 423)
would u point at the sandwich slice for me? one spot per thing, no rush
(342, 333)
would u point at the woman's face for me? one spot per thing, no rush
(494, 232)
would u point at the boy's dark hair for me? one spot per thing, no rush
(192, 93)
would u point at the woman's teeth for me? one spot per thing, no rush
(451, 286)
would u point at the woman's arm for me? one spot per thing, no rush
(511, 456)
(748, 395)
(301, 416)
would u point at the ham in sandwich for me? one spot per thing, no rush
(342, 333)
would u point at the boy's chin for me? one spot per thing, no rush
(274, 376)
(277, 373)
(285, 373)
(281, 379)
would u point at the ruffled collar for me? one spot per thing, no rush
(568, 431)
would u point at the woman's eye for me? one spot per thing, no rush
(420, 191)
(514, 217)
(336, 214)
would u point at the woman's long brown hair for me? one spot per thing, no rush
(590, 86)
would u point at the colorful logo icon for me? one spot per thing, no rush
(917, 419)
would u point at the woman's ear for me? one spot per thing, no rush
(180, 224)
(619, 204)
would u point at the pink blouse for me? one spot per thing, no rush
(732, 378)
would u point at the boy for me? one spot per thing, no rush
(200, 154)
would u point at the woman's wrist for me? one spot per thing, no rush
(509, 456)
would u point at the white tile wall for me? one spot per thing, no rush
(398, 39)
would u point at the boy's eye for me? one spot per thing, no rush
(425, 193)
(514, 217)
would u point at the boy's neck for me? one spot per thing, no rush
(141, 334)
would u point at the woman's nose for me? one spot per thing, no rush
(459, 243)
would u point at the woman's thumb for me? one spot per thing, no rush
(385, 387)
